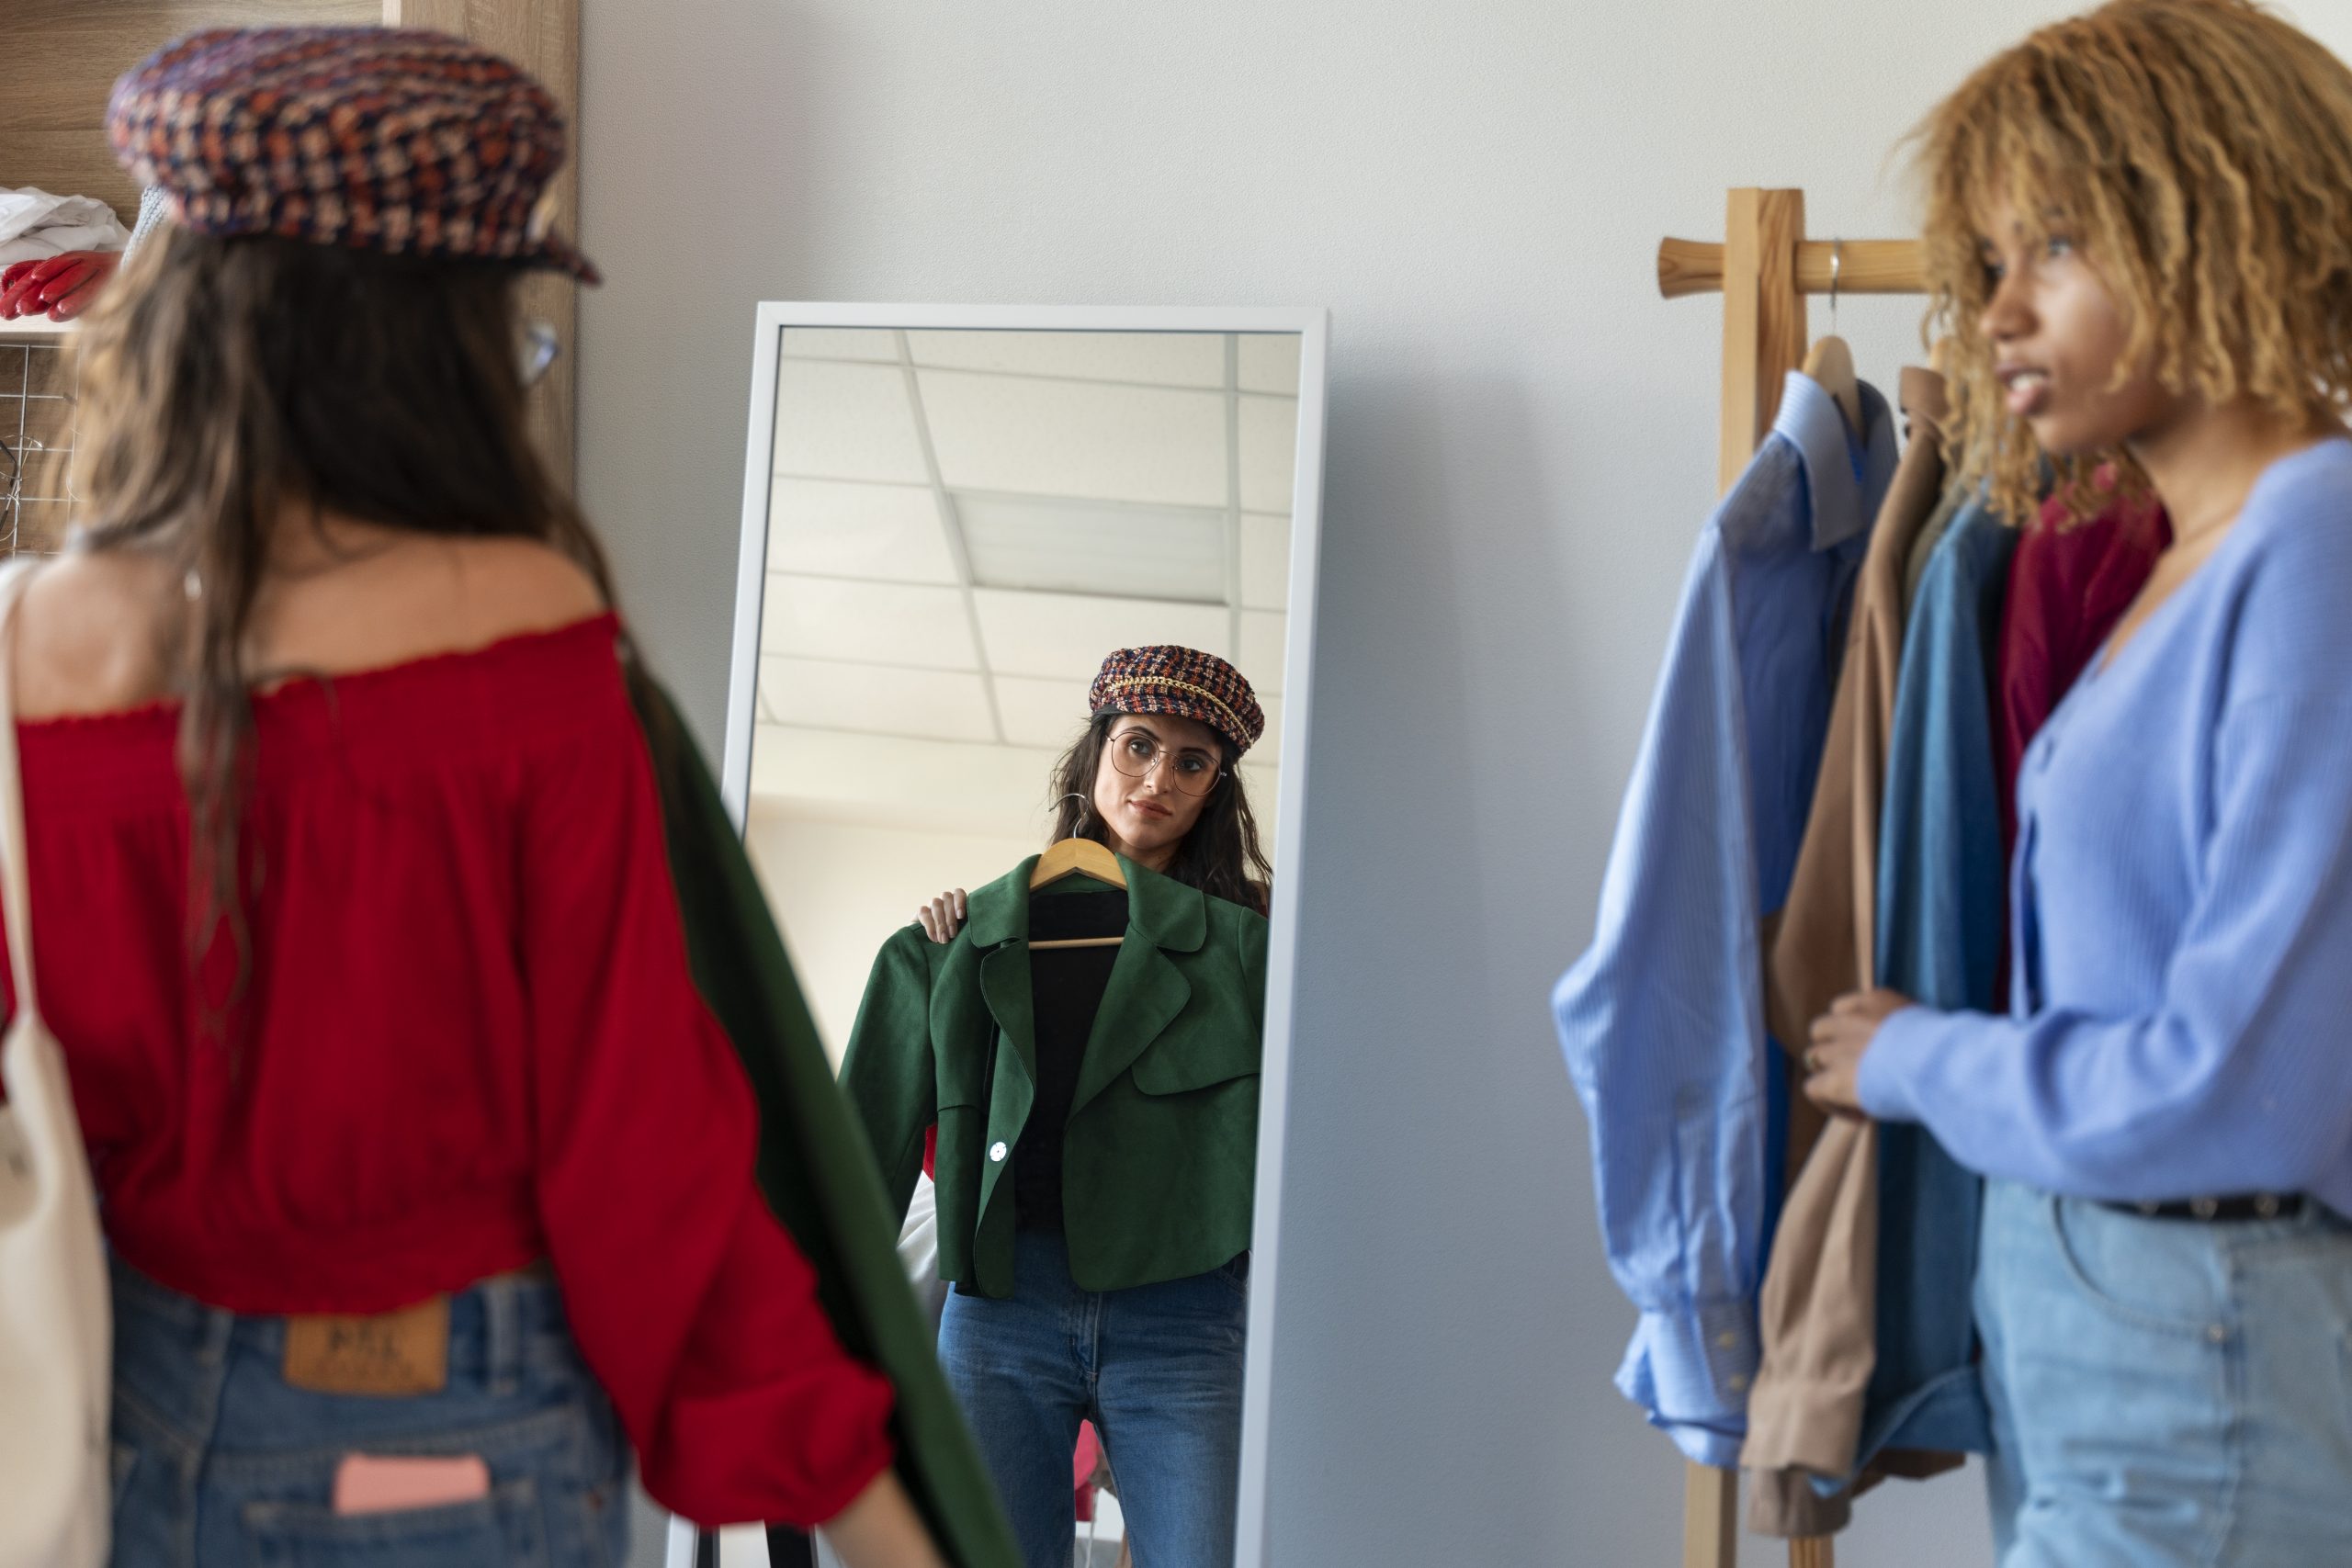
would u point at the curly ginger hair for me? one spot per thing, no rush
(2199, 152)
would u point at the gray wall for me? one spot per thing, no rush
(1521, 449)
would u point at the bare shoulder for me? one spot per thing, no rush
(389, 599)
(91, 635)
(517, 586)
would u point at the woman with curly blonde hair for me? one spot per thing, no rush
(2140, 229)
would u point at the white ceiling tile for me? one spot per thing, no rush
(1068, 634)
(888, 780)
(1269, 452)
(1042, 713)
(1265, 561)
(845, 422)
(831, 528)
(1161, 359)
(873, 623)
(1092, 547)
(1261, 650)
(1106, 443)
(841, 343)
(937, 705)
(1269, 362)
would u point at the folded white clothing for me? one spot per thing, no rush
(35, 225)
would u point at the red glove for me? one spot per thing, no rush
(58, 287)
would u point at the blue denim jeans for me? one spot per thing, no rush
(220, 1463)
(2166, 1390)
(1156, 1369)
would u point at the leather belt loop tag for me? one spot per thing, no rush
(395, 1353)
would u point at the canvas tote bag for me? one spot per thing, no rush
(56, 1317)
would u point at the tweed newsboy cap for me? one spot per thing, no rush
(1185, 683)
(383, 139)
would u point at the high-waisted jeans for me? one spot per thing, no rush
(1156, 1368)
(2166, 1392)
(219, 1462)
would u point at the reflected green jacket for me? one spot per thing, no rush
(814, 1165)
(1159, 1154)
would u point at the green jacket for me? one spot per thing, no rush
(1159, 1154)
(814, 1164)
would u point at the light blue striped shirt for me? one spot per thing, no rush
(1662, 1020)
(2181, 1010)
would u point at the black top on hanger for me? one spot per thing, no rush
(1066, 990)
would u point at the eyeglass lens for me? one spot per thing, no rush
(1136, 753)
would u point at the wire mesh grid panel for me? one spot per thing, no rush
(36, 444)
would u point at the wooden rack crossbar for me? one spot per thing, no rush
(1857, 266)
(1765, 268)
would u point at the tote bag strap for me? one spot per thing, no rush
(16, 883)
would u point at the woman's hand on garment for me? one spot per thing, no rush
(1833, 1062)
(943, 916)
(881, 1529)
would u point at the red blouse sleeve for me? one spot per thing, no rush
(689, 1300)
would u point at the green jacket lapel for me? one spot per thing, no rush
(1147, 992)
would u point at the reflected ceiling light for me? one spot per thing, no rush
(1114, 549)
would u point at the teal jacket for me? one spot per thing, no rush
(814, 1165)
(1159, 1154)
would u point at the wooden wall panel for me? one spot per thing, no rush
(60, 58)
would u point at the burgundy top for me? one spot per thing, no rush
(2068, 588)
(469, 1040)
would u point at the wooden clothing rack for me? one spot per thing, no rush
(1765, 268)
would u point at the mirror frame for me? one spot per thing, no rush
(1312, 326)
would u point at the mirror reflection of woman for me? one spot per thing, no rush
(1122, 1297)
(1141, 783)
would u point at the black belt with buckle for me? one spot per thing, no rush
(2261, 1206)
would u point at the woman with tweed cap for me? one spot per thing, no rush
(1103, 1170)
(427, 1172)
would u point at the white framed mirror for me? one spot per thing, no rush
(952, 515)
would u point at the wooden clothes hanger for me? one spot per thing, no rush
(1078, 857)
(1831, 363)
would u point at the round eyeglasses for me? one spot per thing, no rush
(1190, 770)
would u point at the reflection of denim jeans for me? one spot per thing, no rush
(218, 1459)
(1156, 1369)
(2167, 1391)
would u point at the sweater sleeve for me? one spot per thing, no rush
(689, 1300)
(2236, 1079)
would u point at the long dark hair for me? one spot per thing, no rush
(221, 379)
(1221, 855)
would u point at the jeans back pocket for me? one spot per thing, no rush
(505, 1528)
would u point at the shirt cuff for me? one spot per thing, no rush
(1886, 1084)
(1690, 1369)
